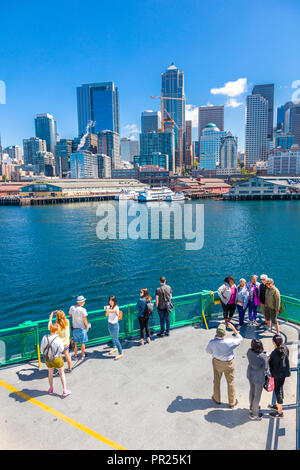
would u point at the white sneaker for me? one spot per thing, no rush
(66, 393)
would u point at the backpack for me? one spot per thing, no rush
(49, 354)
(148, 310)
(168, 302)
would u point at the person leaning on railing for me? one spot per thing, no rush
(64, 334)
(144, 319)
(272, 305)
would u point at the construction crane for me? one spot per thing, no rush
(163, 119)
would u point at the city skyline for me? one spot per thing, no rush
(228, 76)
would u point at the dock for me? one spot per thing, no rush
(158, 396)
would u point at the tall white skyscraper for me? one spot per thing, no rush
(256, 129)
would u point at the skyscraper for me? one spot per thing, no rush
(280, 117)
(210, 114)
(210, 144)
(84, 164)
(188, 145)
(256, 129)
(63, 150)
(172, 87)
(159, 142)
(228, 151)
(292, 120)
(45, 129)
(31, 147)
(267, 91)
(99, 103)
(109, 144)
(150, 121)
(128, 149)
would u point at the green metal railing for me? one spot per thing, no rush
(21, 343)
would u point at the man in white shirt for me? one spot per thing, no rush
(80, 325)
(221, 348)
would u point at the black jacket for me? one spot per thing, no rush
(262, 293)
(280, 369)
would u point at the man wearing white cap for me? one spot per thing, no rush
(80, 325)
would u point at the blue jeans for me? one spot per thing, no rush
(113, 329)
(241, 312)
(164, 317)
(252, 310)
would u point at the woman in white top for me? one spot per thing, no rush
(112, 312)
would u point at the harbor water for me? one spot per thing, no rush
(51, 254)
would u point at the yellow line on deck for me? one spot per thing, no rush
(63, 417)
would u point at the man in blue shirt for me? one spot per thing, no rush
(221, 348)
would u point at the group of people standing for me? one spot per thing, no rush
(261, 366)
(250, 295)
(57, 343)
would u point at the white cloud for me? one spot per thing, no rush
(131, 131)
(191, 114)
(233, 103)
(231, 88)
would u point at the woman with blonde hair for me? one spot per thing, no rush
(64, 333)
(52, 348)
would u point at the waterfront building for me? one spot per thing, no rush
(83, 164)
(189, 154)
(156, 158)
(126, 173)
(159, 142)
(104, 166)
(285, 141)
(150, 121)
(284, 162)
(77, 187)
(45, 129)
(267, 91)
(44, 163)
(172, 86)
(154, 175)
(256, 129)
(128, 149)
(31, 147)
(109, 144)
(228, 152)
(63, 150)
(210, 144)
(15, 153)
(260, 187)
(98, 103)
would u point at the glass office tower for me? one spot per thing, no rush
(172, 86)
(267, 91)
(210, 144)
(99, 103)
(256, 129)
(45, 129)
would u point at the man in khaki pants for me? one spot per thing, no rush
(221, 348)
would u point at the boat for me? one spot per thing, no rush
(175, 197)
(126, 194)
(154, 194)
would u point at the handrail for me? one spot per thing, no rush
(21, 343)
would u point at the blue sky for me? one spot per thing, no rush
(49, 48)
